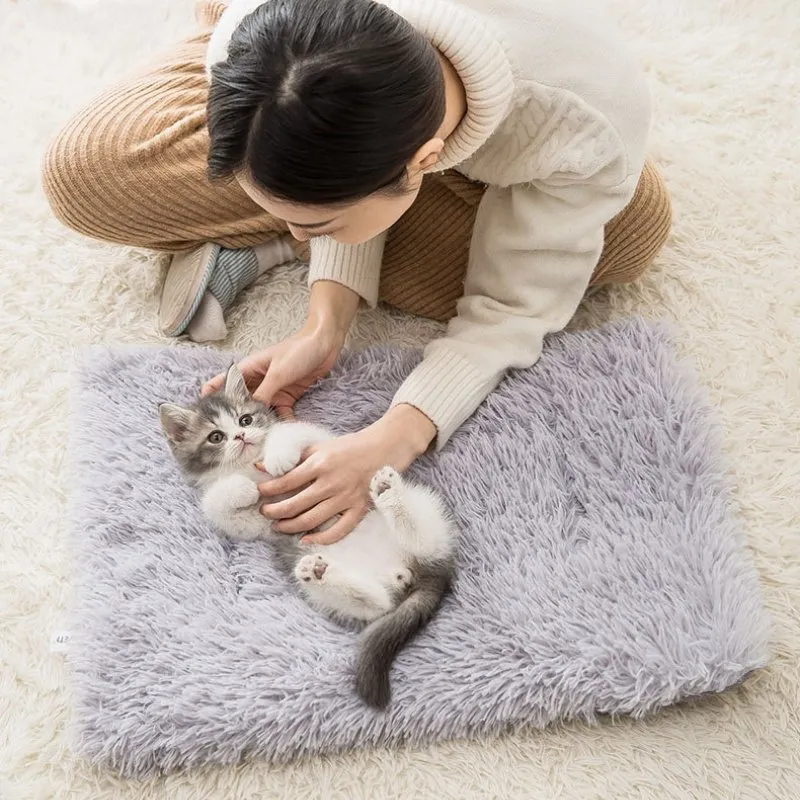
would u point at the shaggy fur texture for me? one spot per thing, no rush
(600, 570)
(723, 76)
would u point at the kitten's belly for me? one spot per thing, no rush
(370, 548)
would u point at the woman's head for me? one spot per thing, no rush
(327, 114)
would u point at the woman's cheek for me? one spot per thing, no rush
(358, 234)
(361, 235)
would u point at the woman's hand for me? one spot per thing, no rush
(336, 475)
(281, 374)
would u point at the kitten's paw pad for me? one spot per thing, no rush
(403, 578)
(243, 493)
(278, 460)
(311, 568)
(384, 480)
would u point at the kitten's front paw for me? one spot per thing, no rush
(384, 482)
(281, 458)
(311, 568)
(241, 492)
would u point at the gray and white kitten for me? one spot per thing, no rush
(389, 573)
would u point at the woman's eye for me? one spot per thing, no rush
(215, 437)
(245, 420)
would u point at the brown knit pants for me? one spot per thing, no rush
(130, 169)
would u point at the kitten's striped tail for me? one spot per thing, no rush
(383, 639)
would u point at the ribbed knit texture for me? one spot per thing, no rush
(481, 63)
(636, 235)
(234, 270)
(449, 384)
(633, 238)
(358, 267)
(130, 168)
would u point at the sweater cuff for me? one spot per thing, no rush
(447, 388)
(357, 266)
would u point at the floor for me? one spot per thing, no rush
(725, 78)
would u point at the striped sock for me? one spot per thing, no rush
(234, 270)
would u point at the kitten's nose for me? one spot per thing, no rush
(239, 437)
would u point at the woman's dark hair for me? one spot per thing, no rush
(323, 101)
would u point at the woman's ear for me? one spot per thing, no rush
(426, 157)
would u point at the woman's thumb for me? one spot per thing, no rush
(267, 388)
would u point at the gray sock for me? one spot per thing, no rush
(234, 270)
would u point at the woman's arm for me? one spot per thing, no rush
(534, 249)
(331, 309)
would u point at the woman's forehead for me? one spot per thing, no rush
(294, 213)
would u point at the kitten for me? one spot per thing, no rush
(389, 573)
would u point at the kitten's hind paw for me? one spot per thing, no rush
(403, 578)
(385, 480)
(311, 568)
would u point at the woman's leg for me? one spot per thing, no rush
(636, 235)
(427, 250)
(131, 167)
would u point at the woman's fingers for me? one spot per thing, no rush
(284, 409)
(338, 530)
(317, 516)
(294, 506)
(252, 368)
(268, 387)
(214, 385)
(300, 476)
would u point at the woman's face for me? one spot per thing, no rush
(351, 224)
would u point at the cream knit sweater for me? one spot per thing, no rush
(557, 121)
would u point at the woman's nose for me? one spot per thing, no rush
(299, 234)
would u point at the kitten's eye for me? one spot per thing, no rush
(215, 437)
(245, 420)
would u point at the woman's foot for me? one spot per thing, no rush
(208, 322)
(202, 283)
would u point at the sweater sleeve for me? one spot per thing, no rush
(357, 266)
(534, 249)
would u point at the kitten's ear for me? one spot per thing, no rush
(235, 387)
(176, 421)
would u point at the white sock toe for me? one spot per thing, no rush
(271, 254)
(208, 323)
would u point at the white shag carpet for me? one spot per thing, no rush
(726, 82)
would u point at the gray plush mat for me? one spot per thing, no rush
(601, 569)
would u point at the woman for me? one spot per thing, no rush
(527, 118)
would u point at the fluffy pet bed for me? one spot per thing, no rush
(601, 568)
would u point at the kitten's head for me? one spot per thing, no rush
(224, 431)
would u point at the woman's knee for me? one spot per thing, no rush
(81, 171)
(637, 234)
(61, 177)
